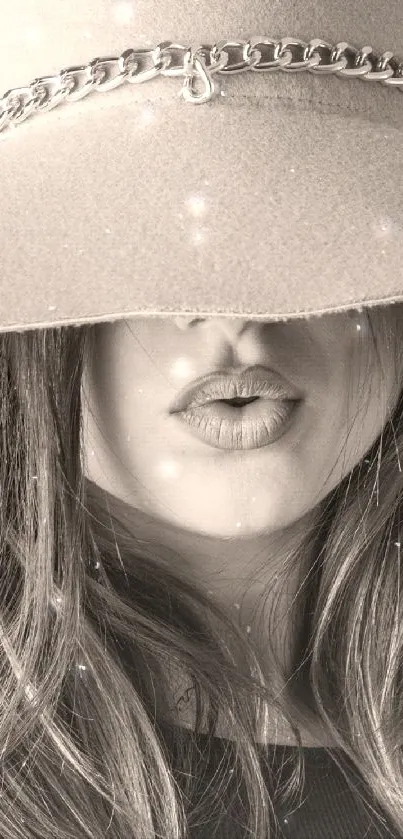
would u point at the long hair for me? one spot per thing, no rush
(83, 748)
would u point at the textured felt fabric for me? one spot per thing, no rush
(280, 198)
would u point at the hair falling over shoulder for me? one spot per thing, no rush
(83, 748)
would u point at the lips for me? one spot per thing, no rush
(256, 426)
(255, 381)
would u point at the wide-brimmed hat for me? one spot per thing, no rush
(164, 158)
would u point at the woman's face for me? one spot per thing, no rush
(151, 461)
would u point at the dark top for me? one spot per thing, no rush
(327, 809)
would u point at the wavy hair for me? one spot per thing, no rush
(83, 747)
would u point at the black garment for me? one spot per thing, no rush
(327, 808)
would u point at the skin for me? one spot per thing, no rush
(232, 516)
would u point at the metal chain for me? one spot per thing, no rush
(259, 54)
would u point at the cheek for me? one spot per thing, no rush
(332, 439)
(342, 435)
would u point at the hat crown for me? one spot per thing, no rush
(279, 196)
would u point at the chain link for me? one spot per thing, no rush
(259, 54)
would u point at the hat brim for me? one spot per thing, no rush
(113, 208)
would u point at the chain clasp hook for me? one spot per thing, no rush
(194, 69)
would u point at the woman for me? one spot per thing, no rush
(128, 543)
(200, 605)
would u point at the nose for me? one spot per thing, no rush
(232, 327)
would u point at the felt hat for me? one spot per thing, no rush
(211, 158)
